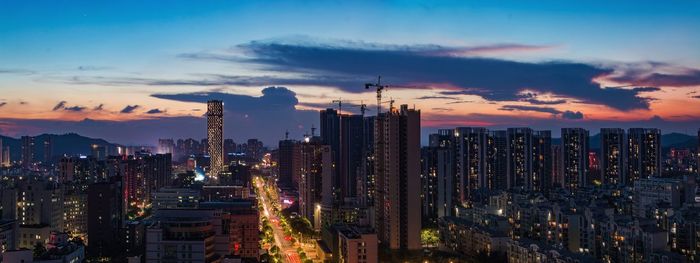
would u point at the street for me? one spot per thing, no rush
(286, 249)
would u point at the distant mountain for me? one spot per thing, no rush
(670, 140)
(70, 144)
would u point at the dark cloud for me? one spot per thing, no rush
(75, 108)
(690, 77)
(99, 107)
(3, 103)
(544, 102)
(493, 79)
(270, 114)
(697, 96)
(436, 97)
(155, 111)
(530, 108)
(129, 108)
(572, 115)
(60, 105)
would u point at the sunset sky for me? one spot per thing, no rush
(132, 72)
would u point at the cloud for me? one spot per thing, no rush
(697, 96)
(3, 104)
(75, 108)
(420, 66)
(572, 115)
(99, 107)
(683, 77)
(60, 105)
(271, 114)
(436, 97)
(530, 108)
(155, 111)
(567, 114)
(129, 109)
(16, 71)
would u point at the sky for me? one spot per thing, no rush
(133, 71)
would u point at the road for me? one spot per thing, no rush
(289, 253)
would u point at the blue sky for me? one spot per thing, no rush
(119, 53)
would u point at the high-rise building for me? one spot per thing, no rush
(519, 158)
(439, 176)
(229, 149)
(215, 138)
(105, 219)
(557, 167)
(28, 152)
(6, 159)
(289, 163)
(541, 179)
(575, 158)
(330, 135)
(397, 168)
(612, 156)
(351, 156)
(643, 154)
(366, 185)
(47, 150)
(497, 164)
(254, 149)
(316, 166)
(471, 151)
(166, 146)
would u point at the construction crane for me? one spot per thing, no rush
(340, 105)
(379, 87)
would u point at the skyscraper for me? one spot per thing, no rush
(351, 155)
(27, 152)
(541, 179)
(397, 169)
(48, 149)
(471, 150)
(575, 158)
(497, 164)
(643, 154)
(316, 165)
(289, 163)
(519, 158)
(612, 156)
(215, 137)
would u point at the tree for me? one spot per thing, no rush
(429, 237)
(39, 249)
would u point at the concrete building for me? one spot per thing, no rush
(519, 158)
(575, 150)
(397, 169)
(316, 164)
(168, 198)
(215, 138)
(105, 210)
(643, 154)
(357, 245)
(612, 156)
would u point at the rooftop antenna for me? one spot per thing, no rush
(286, 135)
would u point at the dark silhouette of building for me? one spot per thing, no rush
(643, 154)
(575, 158)
(397, 169)
(105, 219)
(612, 156)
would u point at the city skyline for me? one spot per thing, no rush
(134, 73)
